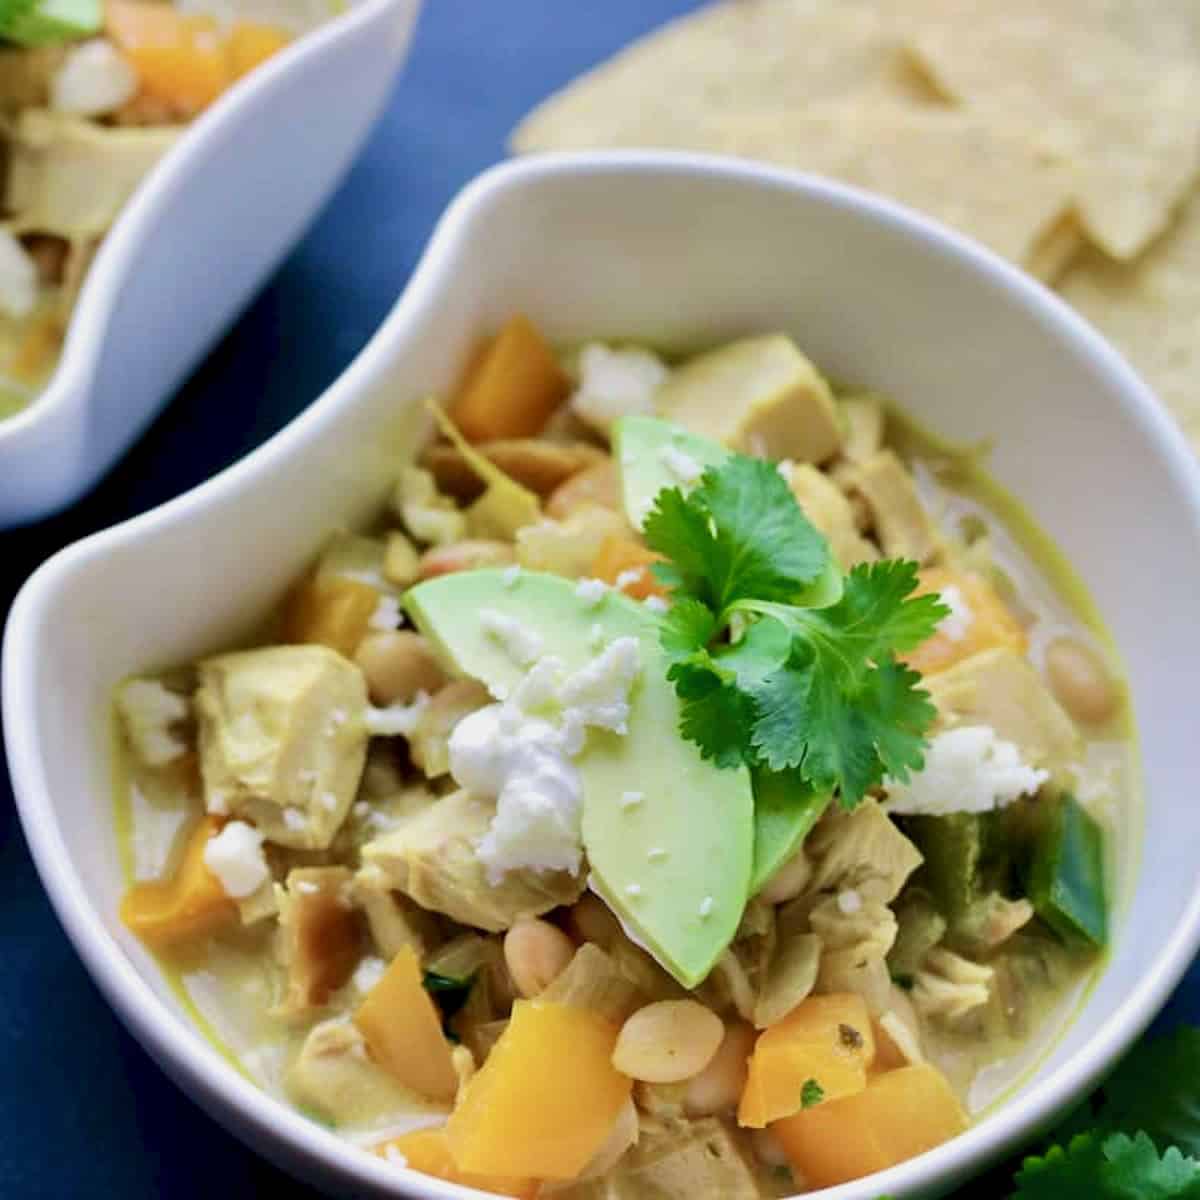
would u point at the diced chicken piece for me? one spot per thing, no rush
(674, 1159)
(861, 851)
(949, 987)
(615, 383)
(758, 395)
(320, 937)
(534, 463)
(432, 857)
(394, 920)
(569, 547)
(150, 715)
(828, 508)
(282, 740)
(903, 526)
(429, 743)
(991, 920)
(429, 517)
(1001, 689)
(863, 421)
(71, 177)
(334, 1075)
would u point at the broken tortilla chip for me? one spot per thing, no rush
(1150, 310)
(1125, 117)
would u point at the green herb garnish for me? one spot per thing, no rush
(811, 1094)
(766, 681)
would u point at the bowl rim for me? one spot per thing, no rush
(249, 1112)
(70, 381)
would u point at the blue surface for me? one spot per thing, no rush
(83, 1112)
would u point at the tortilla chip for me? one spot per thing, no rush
(982, 178)
(1096, 91)
(1151, 311)
(740, 55)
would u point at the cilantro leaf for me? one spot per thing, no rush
(1156, 1088)
(738, 535)
(715, 713)
(1116, 1167)
(686, 629)
(811, 1094)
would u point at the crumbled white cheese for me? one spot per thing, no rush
(656, 854)
(306, 887)
(849, 902)
(386, 616)
(958, 621)
(293, 818)
(615, 383)
(591, 591)
(785, 467)
(216, 801)
(633, 889)
(631, 799)
(396, 720)
(706, 907)
(656, 604)
(519, 752)
(18, 277)
(368, 973)
(327, 801)
(93, 80)
(148, 711)
(522, 644)
(511, 576)
(235, 857)
(680, 464)
(966, 770)
(629, 577)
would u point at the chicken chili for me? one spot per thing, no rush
(692, 785)
(92, 95)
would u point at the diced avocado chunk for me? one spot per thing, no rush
(785, 810)
(1066, 874)
(282, 739)
(760, 395)
(653, 455)
(48, 21)
(646, 790)
(952, 846)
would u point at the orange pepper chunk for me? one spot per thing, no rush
(180, 58)
(249, 45)
(403, 1030)
(329, 612)
(899, 1115)
(826, 1039)
(191, 904)
(513, 387)
(427, 1151)
(990, 625)
(625, 564)
(545, 1099)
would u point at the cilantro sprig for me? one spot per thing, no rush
(765, 680)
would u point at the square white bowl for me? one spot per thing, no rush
(197, 239)
(675, 249)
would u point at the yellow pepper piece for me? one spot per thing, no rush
(249, 44)
(403, 1030)
(191, 904)
(826, 1039)
(899, 1115)
(426, 1150)
(513, 388)
(545, 1099)
(626, 565)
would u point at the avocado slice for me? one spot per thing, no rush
(686, 902)
(46, 22)
(785, 810)
(643, 447)
(752, 393)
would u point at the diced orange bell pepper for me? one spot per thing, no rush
(189, 905)
(513, 387)
(826, 1039)
(329, 612)
(180, 58)
(990, 625)
(899, 1115)
(626, 564)
(427, 1151)
(545, 1099)
(249, 45)
(403, 1030)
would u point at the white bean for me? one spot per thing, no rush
(1080, 680)
(718, 1088)
(536, 953)
(668, 1041)
(397, 665)
(465, 556)
(589, 919)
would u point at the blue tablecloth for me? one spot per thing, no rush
(83, 1111)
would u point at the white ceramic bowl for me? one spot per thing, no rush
(204, 231)
(671, 248)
